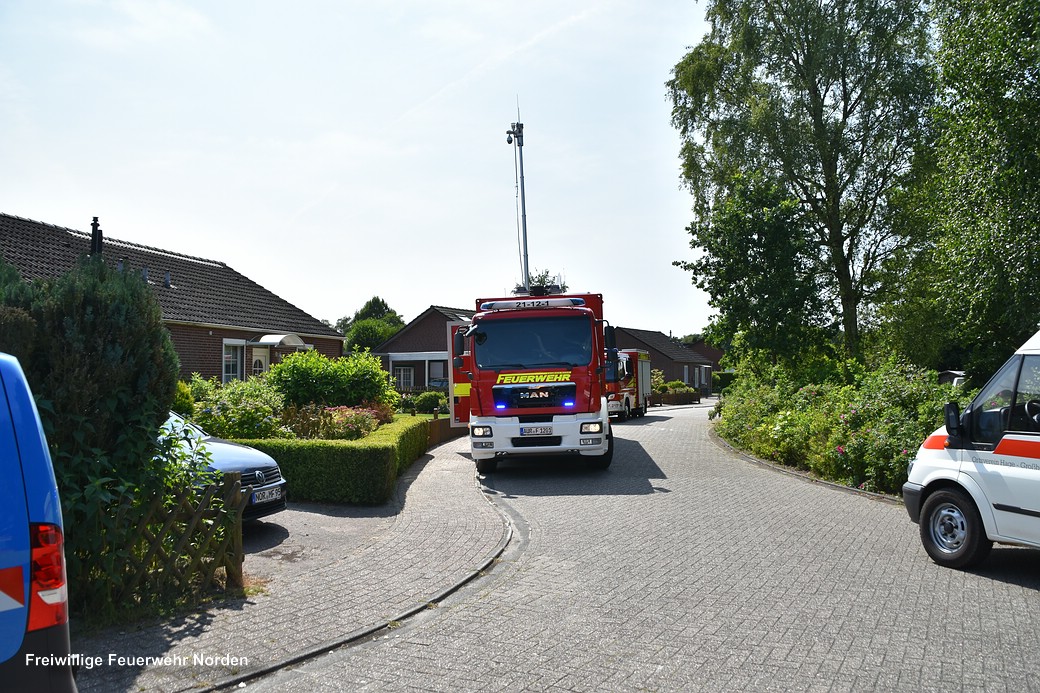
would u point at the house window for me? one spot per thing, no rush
(686, 374)
(233, 360)
(438, 369)
(405, 377)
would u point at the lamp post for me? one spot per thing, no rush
(517, 132)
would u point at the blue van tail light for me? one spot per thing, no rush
(48, 591)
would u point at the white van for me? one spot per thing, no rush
(976, 480)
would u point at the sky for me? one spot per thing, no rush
(336, 150)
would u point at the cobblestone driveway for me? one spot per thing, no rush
(686, 567)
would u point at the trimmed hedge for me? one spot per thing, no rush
(362, 472)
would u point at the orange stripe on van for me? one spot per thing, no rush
(1018, 447)
(935, 442)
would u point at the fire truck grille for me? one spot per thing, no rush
(536, 441)
(534, 396)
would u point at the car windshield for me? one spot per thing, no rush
(532, 343)
(177, 423)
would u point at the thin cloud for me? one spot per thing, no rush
(133, 22)
(496, 60)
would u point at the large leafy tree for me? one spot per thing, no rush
(375, 308)
(757, 270)
(987, 209)
(374, 323)
(829, 98)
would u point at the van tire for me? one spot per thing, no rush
(487, 466)
(952, 531)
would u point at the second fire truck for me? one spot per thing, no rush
(628, 389)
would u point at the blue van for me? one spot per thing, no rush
(35, 653)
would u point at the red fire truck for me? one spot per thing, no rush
(528, 378)
(628, 390)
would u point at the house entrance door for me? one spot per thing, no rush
(261, 360)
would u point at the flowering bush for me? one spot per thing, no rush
(330, 423)
(349, 423)
(241, 409)
(861, 434)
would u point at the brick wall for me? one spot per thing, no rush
(201, 349)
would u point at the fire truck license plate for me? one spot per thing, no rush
(536, 430)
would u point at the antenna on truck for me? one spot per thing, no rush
(515, 136)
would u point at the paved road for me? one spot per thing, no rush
(687, 567)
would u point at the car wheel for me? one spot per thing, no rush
(487, 466)
(603, 461)
(952, 530)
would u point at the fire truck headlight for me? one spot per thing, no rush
(480, 431)
(592, 427)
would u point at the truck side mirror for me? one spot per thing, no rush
(458, 348)
(609, 340)
(952, 417)
(611, 372)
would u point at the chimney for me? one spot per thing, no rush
(95, 237)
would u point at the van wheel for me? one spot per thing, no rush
(487, 466)
(952, 530)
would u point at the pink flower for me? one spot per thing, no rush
(841, 450)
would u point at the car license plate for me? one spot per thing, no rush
(536, 430)
(268, 494)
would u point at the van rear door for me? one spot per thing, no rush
(14, 539)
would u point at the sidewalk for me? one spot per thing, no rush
(317, 576)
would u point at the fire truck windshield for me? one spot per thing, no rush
(533, 342)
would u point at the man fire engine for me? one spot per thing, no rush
(628, 389)
(528, 376)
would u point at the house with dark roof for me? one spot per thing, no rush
(676, 361)
(222, 323)
(418, 356)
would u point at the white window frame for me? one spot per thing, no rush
(399, 372)
(234, 350)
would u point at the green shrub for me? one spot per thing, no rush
(720, 380)
(356, 471)
(17, 331)
(860, 434)
(104, 372)
(366, 381)
(309, 376)
(202, 388)
(242, 409)
(429, 402)
(183, 402)
(305, 377)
